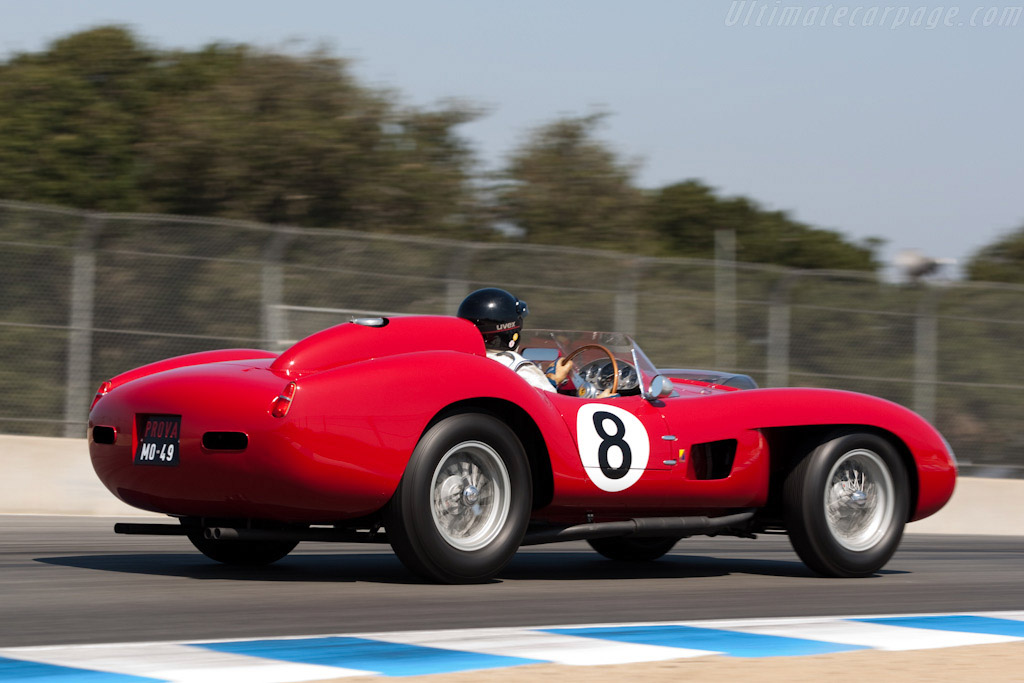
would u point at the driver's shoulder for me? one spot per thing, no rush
(509, 358)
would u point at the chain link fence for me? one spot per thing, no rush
(85, 296)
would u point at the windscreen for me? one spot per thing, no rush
(546, 345)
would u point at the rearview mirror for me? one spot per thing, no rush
(660, 387)
(540, 354)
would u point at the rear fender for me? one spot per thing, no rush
(524, 426)
(380, 408)
(201, 358)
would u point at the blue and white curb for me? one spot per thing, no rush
(408, 653)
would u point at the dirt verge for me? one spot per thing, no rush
(989, 663)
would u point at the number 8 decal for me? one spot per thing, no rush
(609, 440)
(614, 446)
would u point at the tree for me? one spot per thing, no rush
(686, 215)
(70, 118)
(1001, 261)
(285, 139)
(101, 121)
(564, 186)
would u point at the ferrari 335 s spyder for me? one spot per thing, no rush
(401, 430)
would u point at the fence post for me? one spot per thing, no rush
(626, 297)
(456, 283)
(274, 326)
(926, 353)
(78, 378)
(779, 310)
(725, 299)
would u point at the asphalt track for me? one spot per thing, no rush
(72, 580)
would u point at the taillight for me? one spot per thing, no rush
(283, 403)
(104, 388)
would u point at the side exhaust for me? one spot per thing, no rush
(323, 535)
(224, 533)
(679, 527)
(641, 527)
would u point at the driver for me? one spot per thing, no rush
(499, 317)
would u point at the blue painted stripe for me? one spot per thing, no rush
(390, 659)
(732, 643)
(963, 623)
(36, 672)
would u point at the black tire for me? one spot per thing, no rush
(462, 507)
(846, 504)
(633, 549)
(242, 553)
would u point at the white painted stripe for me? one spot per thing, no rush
(178, 663)
(877, 636)
(1015, 616)
(551, 647)
(765, 621)
(182, 663)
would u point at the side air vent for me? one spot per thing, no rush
(713, 460)
(225, 441)
(104, 435)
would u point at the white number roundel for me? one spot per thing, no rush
(614, 446)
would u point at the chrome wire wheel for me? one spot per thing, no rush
(471, 493)
(859, 500)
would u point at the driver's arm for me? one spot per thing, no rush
(559, 371)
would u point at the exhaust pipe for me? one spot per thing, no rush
(224, 533)
(639, 528)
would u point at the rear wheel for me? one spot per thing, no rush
(846, 504)
(633, 549)
(463, 504)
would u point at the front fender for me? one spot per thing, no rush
(935, 468)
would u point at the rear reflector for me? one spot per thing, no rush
(104, 388)
(225, 441)
(105, 435)
(283, 403)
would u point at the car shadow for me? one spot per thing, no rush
(384, 568)
(579, 566)
(301, 568)
(575, 566)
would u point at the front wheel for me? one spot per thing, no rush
(461, 509)
(846, 504)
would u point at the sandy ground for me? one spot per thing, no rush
(987, 663)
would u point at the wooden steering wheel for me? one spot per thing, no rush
(615, 365)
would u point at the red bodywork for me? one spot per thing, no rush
(364, 395)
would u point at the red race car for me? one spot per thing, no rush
(402, 430)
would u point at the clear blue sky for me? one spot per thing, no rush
(906, 132)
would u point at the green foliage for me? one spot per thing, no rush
(101, 121)
(1001, 261)
(275, 139)
(295, 140)
(70, 119)
(564, 186)
(686, 215)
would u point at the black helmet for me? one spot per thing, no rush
(497, 314)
